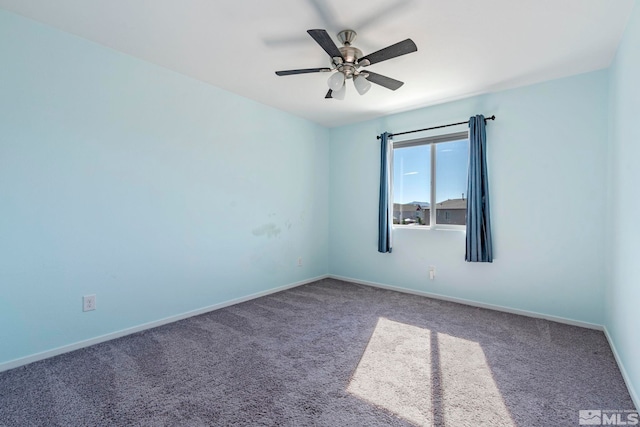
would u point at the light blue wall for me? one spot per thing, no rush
(162, 195)
(156, 192)
(546, 154)
(623, 292)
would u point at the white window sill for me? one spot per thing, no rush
(439, 227)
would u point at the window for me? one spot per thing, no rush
(431, 172)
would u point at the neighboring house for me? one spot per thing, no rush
(451, 211)
(411, 213)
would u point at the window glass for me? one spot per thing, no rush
(452, 162)
(415, 194)
(411, 185)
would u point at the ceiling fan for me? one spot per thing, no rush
(348, 59)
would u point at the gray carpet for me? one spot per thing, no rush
(328, 354)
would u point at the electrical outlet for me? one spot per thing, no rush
(432, 272)
(300, 262)
(88, 302)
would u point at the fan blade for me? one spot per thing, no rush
(398, 49)
(328, 95)
(303, 71)
(385, 81)
(322, 38)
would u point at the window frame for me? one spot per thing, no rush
(432, 141)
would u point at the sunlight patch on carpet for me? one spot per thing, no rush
(469, 391)
(394, 371)
(428, 378)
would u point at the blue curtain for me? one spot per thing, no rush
(479, 246)
(384, 225)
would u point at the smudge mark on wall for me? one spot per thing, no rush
(270, 230)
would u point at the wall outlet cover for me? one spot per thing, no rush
(88, 302)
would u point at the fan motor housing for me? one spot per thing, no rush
(351, 55)
(348, 64)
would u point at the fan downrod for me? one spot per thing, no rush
(347, 37)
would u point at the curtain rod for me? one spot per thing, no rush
(436, 127)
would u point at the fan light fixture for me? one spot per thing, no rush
(336, 81)
(340, 93)
(338, 85)
(362, 84)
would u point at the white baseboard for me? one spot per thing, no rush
(473, 303)
(623, 371)
(113, 335)
(96, 340)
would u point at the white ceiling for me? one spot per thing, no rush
(465, 47)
